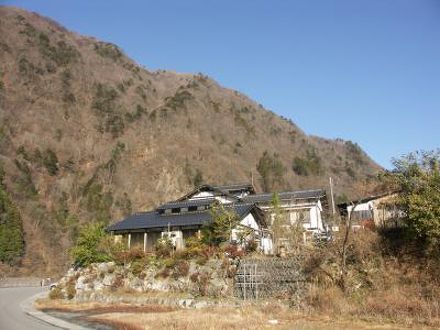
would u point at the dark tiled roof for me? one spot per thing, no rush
(366, 199)
(187, 203)
(234, 187)
(149, 220)
(286, 195)
(223, 189)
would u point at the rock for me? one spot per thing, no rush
(105, 267)
(98, 285)
(185, 303)
(109, 279)
(136, 284)
(81, 283)
(200, 304)
(155, 286)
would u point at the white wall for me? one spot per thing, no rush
(249, 222)
(208, 194)
(314, 209)
(361, 207)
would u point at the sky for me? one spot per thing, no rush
(366, 70)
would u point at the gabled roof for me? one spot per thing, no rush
(226, 190)
(153, 219)
(287, 195)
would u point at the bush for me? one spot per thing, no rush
(89, 248)
(164, 247)
(50, 161)
(194, 246)
(137, 267)
(201, 280)
(232, 251)
(70, 291)
(56, 293)
(181, 269)
(108, 50)
(178, 100)
(310, 165)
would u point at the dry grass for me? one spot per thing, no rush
(335, 313)
(250, 317)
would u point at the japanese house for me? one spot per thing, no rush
(186, 216)
(379, 210)
(182, 219)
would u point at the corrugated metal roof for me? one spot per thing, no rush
(287, 195)
(149, 220)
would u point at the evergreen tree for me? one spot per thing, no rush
(219, 230)
(11, 228)
(271, 170)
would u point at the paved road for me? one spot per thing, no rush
(11, 315)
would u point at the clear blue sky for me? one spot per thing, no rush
(363, 70)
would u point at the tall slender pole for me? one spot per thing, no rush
(331, 196)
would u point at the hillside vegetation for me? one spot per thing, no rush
(88, 135)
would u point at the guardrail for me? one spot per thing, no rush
(7, 282)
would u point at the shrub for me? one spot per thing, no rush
(56, 293)
(137, 267)
(232, 251)
(194, 246)
(202, 260)
(166, 272)
(88, 248)
(104, 99)
(70, 291)
(169, 262)
(24, 182)
(164, 247)
(50, 161)
(123, 257)
(178, 100)
(201, 280)
(108, 50)
(181, 269)
(310, 165)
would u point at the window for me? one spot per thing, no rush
(175, 210)
(362, 215)
(192, 208)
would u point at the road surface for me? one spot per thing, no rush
(12, 316)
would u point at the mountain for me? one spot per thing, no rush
(89, 135)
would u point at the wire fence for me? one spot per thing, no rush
(269, 278)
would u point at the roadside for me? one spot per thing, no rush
(28, 307)
(263, 315)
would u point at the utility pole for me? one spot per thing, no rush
(331, 196)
